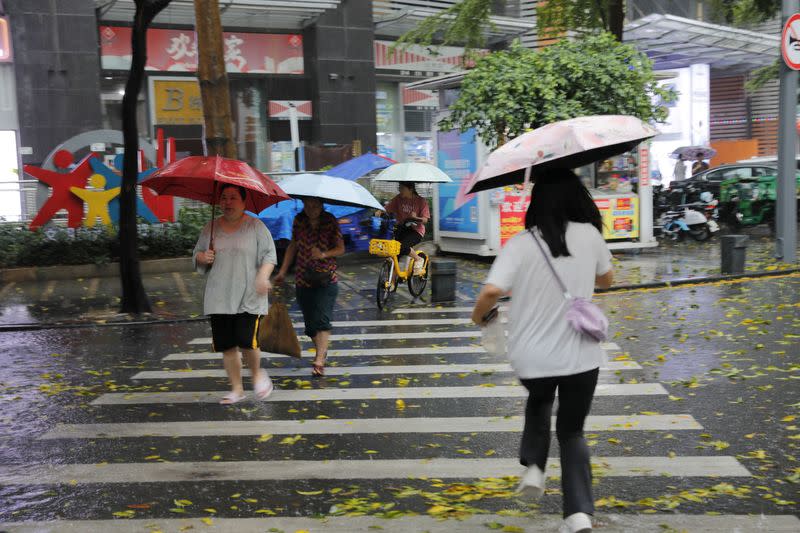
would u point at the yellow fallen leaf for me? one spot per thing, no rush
(309, 492)
(207, 521)
(400, 404)
(264, 438)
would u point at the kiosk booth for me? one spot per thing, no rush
(479, 224)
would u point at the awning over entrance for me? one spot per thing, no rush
(394, 18)
(263, 15)
(675, 42)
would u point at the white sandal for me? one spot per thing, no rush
(264, 387)
(232, 398)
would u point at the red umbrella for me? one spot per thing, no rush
(199, 178)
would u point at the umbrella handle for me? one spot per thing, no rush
(213, 215)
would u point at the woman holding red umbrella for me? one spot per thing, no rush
(238, 255)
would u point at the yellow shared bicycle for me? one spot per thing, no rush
(391, 274)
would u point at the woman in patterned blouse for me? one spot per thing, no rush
(316, 242)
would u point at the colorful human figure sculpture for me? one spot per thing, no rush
(96, 201)
(60, 185)
(114, 181)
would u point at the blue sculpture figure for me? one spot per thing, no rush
(114, 180)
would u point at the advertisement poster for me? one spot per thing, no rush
(512, 215)
(457, 156)
(177, 101)
(620, 217)
(176, 51)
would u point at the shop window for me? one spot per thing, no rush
(419, 120)
(112, 89)
(249, 110)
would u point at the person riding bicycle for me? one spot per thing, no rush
(412, 212)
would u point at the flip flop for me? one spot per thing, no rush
(264, 387)
(232, 398)
(318, 369)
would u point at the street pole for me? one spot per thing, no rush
(786, 188)
(213, 79)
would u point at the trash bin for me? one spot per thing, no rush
(734, 248)
(443, 280)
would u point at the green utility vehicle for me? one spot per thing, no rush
(749, 201)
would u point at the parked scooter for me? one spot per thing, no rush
(710, 207)
(675, 224)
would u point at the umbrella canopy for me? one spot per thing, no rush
(199, 178)
(279, 217)
(414, 172)
(568, 144)
(690, 153)
(360, 166)
(336, 191)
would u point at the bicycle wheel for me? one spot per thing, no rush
(417, 283)
(383, 290)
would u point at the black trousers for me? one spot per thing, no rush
(575, 393)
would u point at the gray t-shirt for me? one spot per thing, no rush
(230, 285)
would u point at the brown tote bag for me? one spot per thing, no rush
(276, 332)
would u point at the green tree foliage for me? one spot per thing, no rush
(462, 24)
(742, 12)
(556, 17)
(518, 88)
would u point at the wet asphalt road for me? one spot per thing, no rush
(726, 354)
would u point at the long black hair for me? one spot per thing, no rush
(559, 197)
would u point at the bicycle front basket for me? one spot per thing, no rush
(384, 247)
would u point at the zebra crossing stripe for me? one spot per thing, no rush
(671, 422)
(329, 371)
(303, 371)
(375, 352)
(388, 393)
(612, 523)
(396, 322)
(704, 466)
(468, 334)
(433, 310)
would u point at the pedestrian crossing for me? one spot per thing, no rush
(295, 456)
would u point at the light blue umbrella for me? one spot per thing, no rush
(336, 191)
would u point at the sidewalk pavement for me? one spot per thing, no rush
(179, 295)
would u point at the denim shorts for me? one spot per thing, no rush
(317, 307)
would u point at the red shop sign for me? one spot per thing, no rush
(176, 51)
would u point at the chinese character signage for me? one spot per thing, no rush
(5, 41)
(512, 214)
(176, 51)
(177, 101)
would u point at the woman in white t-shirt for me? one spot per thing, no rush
(544, 350)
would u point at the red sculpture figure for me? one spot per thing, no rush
(60, 195)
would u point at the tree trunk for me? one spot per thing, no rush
(213, 79)
(134, 297)
(616, 18)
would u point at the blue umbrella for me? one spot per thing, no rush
(279, 217)
(360, 166)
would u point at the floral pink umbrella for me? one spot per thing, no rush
(567, 144)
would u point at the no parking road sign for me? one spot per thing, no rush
(790, 42)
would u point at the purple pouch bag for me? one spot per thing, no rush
(586, 317)
(582, 315)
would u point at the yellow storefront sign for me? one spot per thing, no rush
(177, 102)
